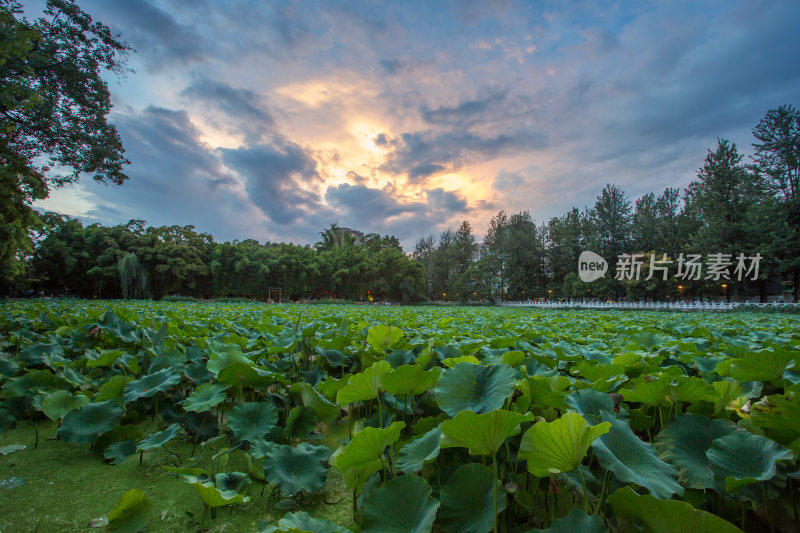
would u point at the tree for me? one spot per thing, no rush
(132, 277)
(53, 107)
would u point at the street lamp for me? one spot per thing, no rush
(725, 292)
(680, 291)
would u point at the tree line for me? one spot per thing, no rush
(733, 207)
(136, 261)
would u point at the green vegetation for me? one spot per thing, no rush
(185, 416)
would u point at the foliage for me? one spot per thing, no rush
(464, 419)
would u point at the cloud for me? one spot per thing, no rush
(154, 32)
(245, 107)
(277, 178)
(174, 178)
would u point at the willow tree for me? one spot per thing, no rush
(132, 277)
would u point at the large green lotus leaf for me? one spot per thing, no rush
(356, 477)
(363, 386)
(542, 391)
(8, 368)
(381, 337)
(727, 392)
(7, 421)
(244, 375)
(117, 452)
(368, 445)
(559, 446)
(410, 380)
(42, 353)
(250, 421)
(301, 521)
(742, 458)
(204, 397)
(301, 421)
(293, 469)
(690, 389)
(683, 443)
(575, 521)
(151, 384)
(480, 389)
(403, 505)
(483, 433)
(103, 358)
(468, 500)
(650, 393)
(666, 516)
(589, 403)
(634, 461)
(131, 513)
(158, 439)
(84, 424)
(765, 365)
(73, 378)
(419, 451)
(113, 389)
(213, 497)
(779, 417)
(30, 384)
(57, 404)
(311, 398)
(222, 355)
(122, 330)
(450, 362)
(237, 481)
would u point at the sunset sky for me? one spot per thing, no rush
(270, 120)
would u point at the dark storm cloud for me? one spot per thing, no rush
(380, 211)
(275, 176)
(174, 178)
(422, 155)
(160, 40)
(245, 107)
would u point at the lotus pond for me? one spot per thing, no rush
(278, 418)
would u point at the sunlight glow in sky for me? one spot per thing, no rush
(270, 120)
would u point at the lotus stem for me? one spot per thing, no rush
(766, 511)
(494, 490)
(585, 494)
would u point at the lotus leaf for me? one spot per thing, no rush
(158, 439)
(403, 505)
(468, 500)
(764, 365)
(410, 380)
(151, 384)
(480, 389)
(419, 451)
(302, 522)
(364, 385)
(113, 389)
(57, 404)
(381, 337)
(634, 461)
(325, 410)
(292, 469)
(300, 422)
(131, 513)
(559, 446)
(666, 516)
(213, 497)
(204, 397)
(84, 424)
(250, 421)
(117, 452)
(683, 443)
(483, 433)
(742, 458)
(576, 520)
(368, 445)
